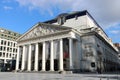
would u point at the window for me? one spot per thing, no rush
(9, 32)
(8, 43)
(76, 17)
(92, 64)
(14, 34)
(8, 49)
(2, 35)
(98, 45)
(7, 55)
(4, 48)
(60, 20)
(13, 50)
(10, 55)
(0, 47)
(88, 50)
(2, 42)
(88, 47)
(3, 54)
(15, 56)
(14, 44)
(16, 50)
(0, 54)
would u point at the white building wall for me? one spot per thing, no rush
(78, 23)
(88, 53)
(82, 22)
(8, 50)
(108, 54)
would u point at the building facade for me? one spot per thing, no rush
(118, 46)
(70, 42)
(8, 46)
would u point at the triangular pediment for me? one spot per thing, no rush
(42, 29)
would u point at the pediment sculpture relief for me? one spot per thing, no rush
(40, 31)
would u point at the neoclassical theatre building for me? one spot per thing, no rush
(69, 42)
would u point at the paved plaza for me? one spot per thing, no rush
(48, 76)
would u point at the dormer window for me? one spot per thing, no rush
(60, 20)
(76, 17)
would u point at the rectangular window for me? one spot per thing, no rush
(3, 54)
(92, 64)
(14, 44)
(0, 54)
(2, 42)
(1, 48)
(8, 43)
(4, 48)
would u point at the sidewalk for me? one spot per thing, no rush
(45, 76)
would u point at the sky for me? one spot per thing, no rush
(21, 15)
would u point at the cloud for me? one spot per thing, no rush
(7, 8)
(115, 31)
(106, 12)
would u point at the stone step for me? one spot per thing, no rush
(54, 72)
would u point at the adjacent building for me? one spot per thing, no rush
(69, 42)
(8, 46)
(118, 46)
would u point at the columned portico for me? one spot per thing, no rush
(44, 56)
(45, 51)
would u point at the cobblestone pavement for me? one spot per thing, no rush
(48, 76)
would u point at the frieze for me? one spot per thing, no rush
(40, 30)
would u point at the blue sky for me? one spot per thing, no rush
(20, 15)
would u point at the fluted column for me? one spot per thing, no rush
(29, 58)
(17, 60)
(36, 57)
(43, 57)
(23, 58)
(70, 53)
(51, 57)
(61, 56)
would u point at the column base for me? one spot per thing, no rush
(43, 70)
(51, 70)
(18, 70)
(35, 70)
(28, 70)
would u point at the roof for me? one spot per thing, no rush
(68, 16)
(74, 14)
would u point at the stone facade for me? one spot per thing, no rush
(70, 42)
